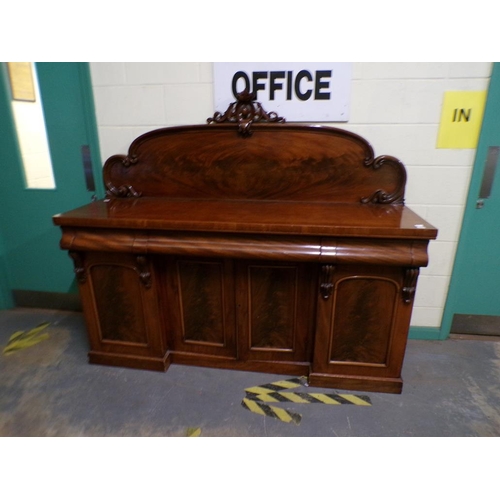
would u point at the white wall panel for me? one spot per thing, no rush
(395, 106)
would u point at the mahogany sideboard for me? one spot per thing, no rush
(253, 244)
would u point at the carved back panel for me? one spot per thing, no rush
(272, 161)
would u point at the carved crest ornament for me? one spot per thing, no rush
(244, 112)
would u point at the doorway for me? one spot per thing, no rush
(473, 303)
(33, 271)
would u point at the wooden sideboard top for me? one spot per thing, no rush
(293, 218)
(249, 172)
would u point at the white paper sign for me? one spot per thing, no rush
(299, 92)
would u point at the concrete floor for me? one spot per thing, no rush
(451, 388)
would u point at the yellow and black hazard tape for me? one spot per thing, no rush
(253, 393)
(257, 397)
(271, 411)
(281, 385)
(304, 397)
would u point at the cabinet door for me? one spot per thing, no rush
(199, 307)
(276, 311)
(120, 301)
(362, 322)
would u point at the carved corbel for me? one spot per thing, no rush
(410, 284)
(80, 272)
(326, 286)
(143, 269)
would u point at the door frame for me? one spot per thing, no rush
(90, 126)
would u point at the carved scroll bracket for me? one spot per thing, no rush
(245, 111)
(380, 196)
(130, 160)
(410, 284)
(121, 192)
(80, 272)
(326, 286)
(143, 269)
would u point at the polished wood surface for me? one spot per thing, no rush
(279, 162)
(251, 244)
(306, 218)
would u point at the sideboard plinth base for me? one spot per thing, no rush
(122, 360)
(273, 367)
(375, 384)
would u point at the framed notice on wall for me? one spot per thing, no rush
(21, 81)
(300, 92)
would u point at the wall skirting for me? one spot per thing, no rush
(47, 300)
(425, 333)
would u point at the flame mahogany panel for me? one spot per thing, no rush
(364, 312)
(276, 301)
(121, 317)
(119, 295)
(279, 162)
(273, 306)
(199, 305)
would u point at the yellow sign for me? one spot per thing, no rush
(461, 119)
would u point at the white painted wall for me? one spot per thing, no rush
(395, 106)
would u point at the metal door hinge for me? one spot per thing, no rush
(488, 175)
(87, 170)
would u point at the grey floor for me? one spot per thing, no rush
(451, 388)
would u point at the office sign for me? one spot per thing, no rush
(300, 92)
